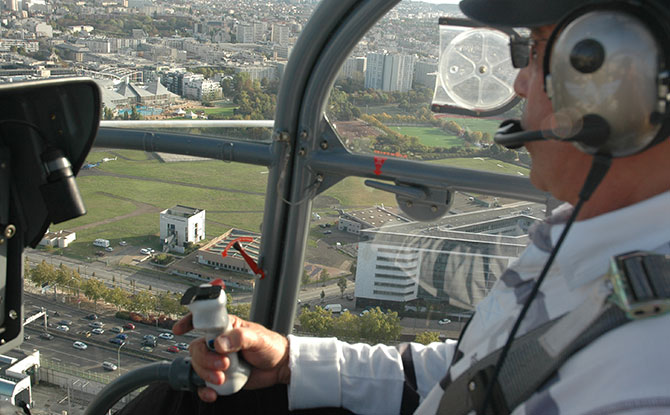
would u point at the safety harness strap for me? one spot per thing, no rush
(641, 285)
(527, 367)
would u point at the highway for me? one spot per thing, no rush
(60, 348)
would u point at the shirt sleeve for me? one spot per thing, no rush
(364, 379)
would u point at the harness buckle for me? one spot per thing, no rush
(641, 283)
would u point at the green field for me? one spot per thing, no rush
(484, 164)
(476, 124)
(430, 136)
(222, 109)
(124, 197)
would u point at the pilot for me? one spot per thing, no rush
(598, 60)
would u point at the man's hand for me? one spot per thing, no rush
(265, 350)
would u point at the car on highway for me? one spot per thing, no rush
(79, 345)
(62, 328)
(85, 333)
(97, 331)
(118, 341)
(182, 346)
(96, 325)
(444, 321)
(91, 317)
(166, 336)
(122, 336)
(65, 322)
(46, 336)
(116, 329)
(147, 349)
(173, 349)
(149, 342)
(129, 326)
(109, 366)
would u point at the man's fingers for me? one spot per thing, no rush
(207, 364)
(184, 325)
(207, 394)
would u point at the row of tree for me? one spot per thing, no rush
(373, 327)
(70, 281)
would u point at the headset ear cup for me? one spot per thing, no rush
(606, 63)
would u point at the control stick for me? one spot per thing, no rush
(207, 303)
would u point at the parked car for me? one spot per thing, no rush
(145, 251)
(46, 336)
(26, 337)
(116, 329)
(364, 312)
(91, 317)
(109, 366)
(97, 331)
(173, 349)
(350, 297)
(182, 346)
(149, 337)
(96, 324)
(147, 349)
(109, 249)
(129, 326)
(118, 341)
(328, 232)
(122, 336)
(79, 345)
(65, 322)
(166, 336)
(444, 321)
(123, 243)
(62, 328)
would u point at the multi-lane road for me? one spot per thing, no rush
(60, 348)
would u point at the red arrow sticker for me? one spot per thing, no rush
(379, 162)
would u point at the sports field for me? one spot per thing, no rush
(430, 136)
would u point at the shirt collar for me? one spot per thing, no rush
(591, 243)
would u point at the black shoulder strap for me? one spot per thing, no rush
(529, 364)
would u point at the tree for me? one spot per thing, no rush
(323, 294)
(43, 274)
(427, 337)
(342, 283)
(323, 277)
(118, 297)
(305, 278)
(346, 326)
(379, 327)
(318, 322)
(94, 290)
(144, 301)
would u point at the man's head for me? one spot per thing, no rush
(583, 65)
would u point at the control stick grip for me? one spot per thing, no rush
(210, 315)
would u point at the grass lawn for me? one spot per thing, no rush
(484, 164)
(145, 194)
(430, 136)
(484, 125)
(223, 109)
